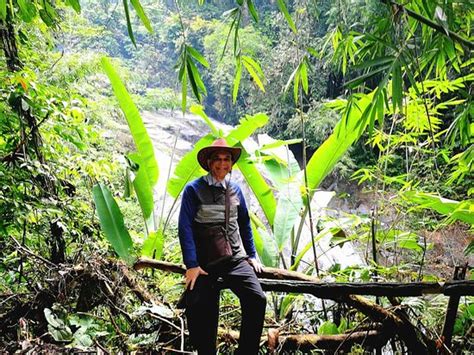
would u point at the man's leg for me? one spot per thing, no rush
(202, 313)
(244, 283)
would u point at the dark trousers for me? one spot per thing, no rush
(202, 310)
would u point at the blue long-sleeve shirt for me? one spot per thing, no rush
(189, 207)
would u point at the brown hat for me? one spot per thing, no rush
(218, 145)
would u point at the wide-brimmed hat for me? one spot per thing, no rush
(217, 146)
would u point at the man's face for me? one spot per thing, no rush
(220, 165)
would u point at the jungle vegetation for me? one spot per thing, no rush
(367, 101)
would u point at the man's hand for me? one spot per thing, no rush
(256, 265)
(192, 274)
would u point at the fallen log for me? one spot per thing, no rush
(338, 342)
(388, 289)
(301, 283)
(292, 281)
(372, 338)
(268, 272)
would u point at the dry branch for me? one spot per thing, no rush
(306, 342)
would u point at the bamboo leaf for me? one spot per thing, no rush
(290, 80)
(397, 88)
(313, 52)
(304, 76)
(254, 65)
(129, 24)
(27, 10)
(197, 77)
(141, 14)
(279, 143)
(375, 62)
(233, 12)
(252, 10)
(236, 32)
(184, 89)
(192, 80)
(111, 221)
(253, 73)
(139, 133)
(296, 84)
(362, 78)
(282, 6)
(198, 56)
(237, 77)
(75, 5)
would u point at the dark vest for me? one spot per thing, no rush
(211, 213)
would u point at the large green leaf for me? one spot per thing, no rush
(454, 210)
(142, 187)
(287, 212)
(3, 9)
(247, 126)
(153, 246)
(344, 136)
(283, 169)
(188, 167)
(111, 221)
(259, 186)
(328, 328)
(139, 133)
(27, 10)
(264, 243)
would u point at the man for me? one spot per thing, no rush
(203, 209)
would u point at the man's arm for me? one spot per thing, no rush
(189, 203)
(185, 232)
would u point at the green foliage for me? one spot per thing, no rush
(147, 174)
(346, 133)
(328, 328)
(454, 210)
(111, 220)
